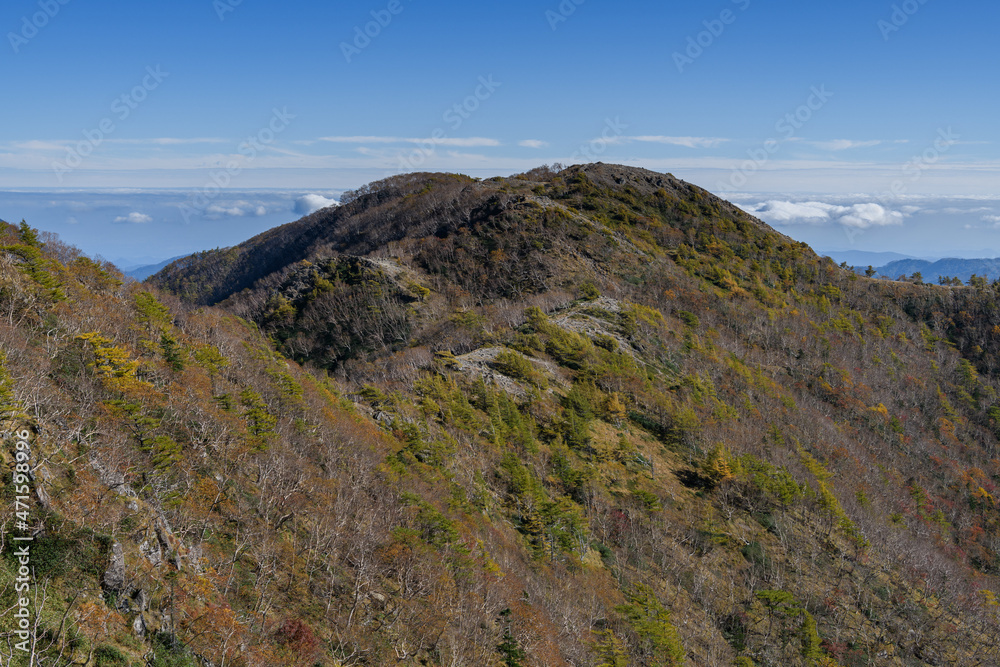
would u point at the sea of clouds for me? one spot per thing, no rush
(133, 227)
(916, 225)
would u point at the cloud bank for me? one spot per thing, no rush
(857, 216)
(844, 144)
(134, 218)
(687, 142)
(309, 204)
(239, 209)
(441, 141)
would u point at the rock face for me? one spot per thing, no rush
(130, 597)
(114, 577)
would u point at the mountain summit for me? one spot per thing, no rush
(403, 211)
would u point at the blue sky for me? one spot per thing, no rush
(809, 114)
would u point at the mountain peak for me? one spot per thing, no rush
(401, 209)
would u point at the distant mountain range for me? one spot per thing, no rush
(950, 267)
(893, 265)
(140, 273)
(863, 258)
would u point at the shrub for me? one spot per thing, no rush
(515, 365)
(690, 319)
(568, 348)
(168, 652)
(651, 621)
(589, 292)
(109, 656)
(810, 638)
(606, 342)
(649, 500)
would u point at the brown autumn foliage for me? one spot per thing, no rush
(401, 438)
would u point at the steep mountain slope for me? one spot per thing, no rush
(594, 417)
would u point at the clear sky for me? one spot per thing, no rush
(777, 105)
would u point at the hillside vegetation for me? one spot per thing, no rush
(593, 417)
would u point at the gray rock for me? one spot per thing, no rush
(43, 497)
(114, 577)
(152, 552)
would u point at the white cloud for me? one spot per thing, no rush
(910, 210)
(64, 144)
(858, 216)
(955, 210)
(442, 141)
(239, 209)
(995, 219)
(309, 204)
(35, 145)
(688, 142)
(362, 140)
(469, 157)
(786, 211)
(168, 141)
(532, 143)
(863, 216)
(134, 218)
(844, 144)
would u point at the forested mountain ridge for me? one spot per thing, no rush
(589, 417)
(399, 210)
(934, 272)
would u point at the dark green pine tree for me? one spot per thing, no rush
(171, 351)
(508, 648)
(28, 235)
